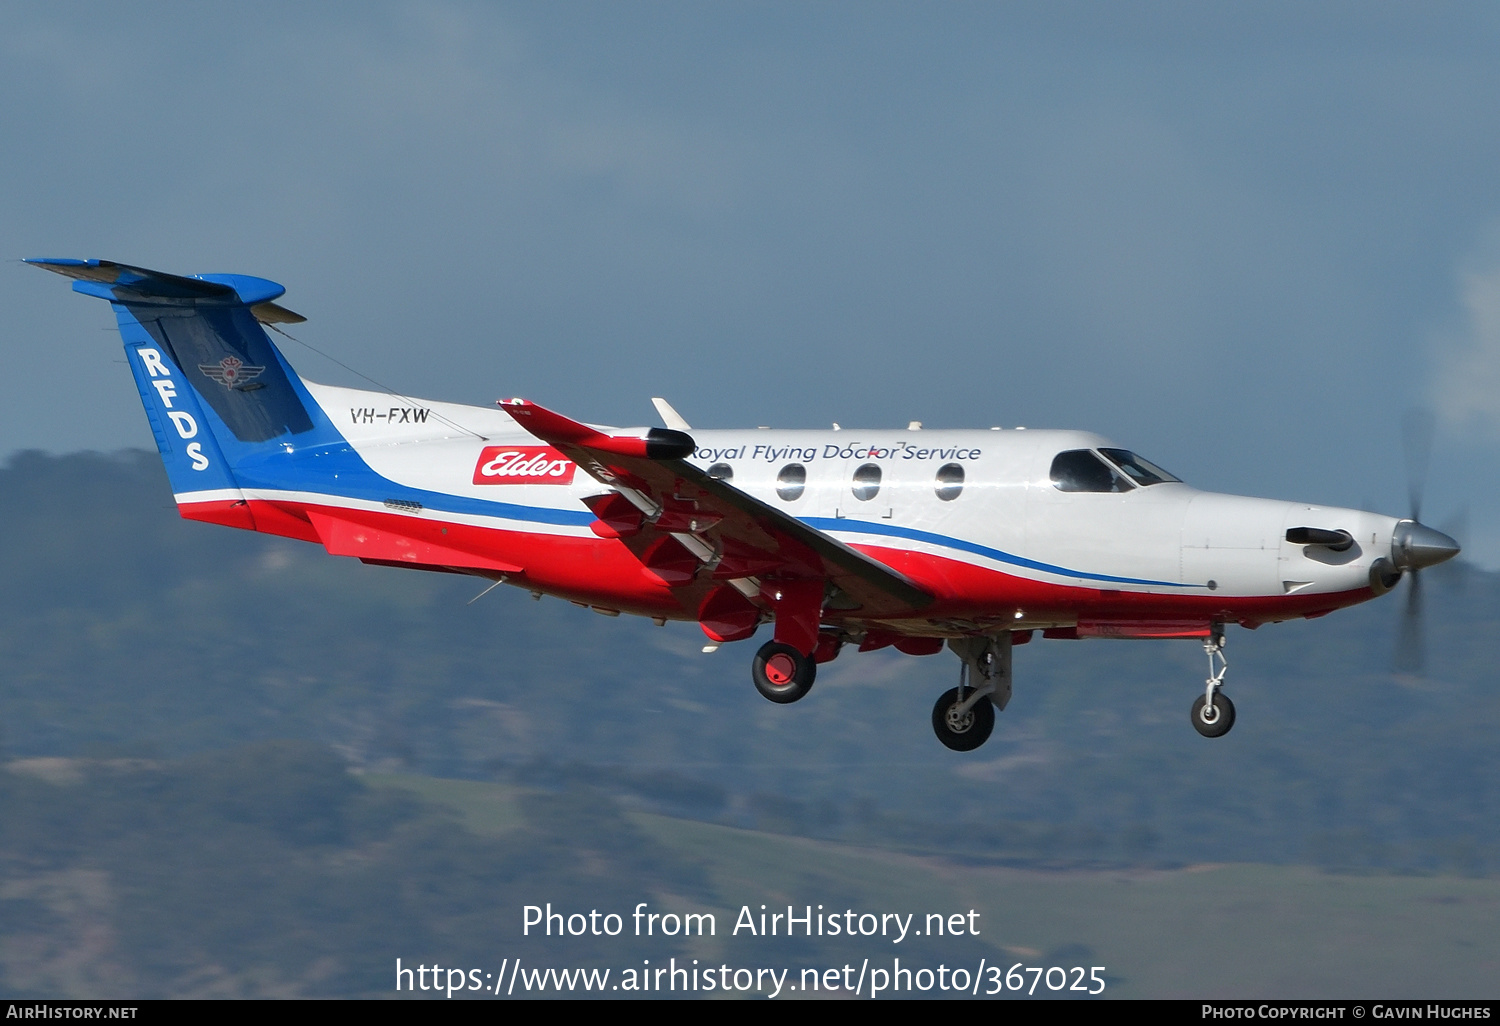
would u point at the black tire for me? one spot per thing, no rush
(781, 673)
(1221, 724)
(968, 733)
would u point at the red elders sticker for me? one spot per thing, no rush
(523, 464)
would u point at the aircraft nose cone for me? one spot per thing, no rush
(1415, 546)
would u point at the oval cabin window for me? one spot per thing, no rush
(866, 482)
(950, 481)
(791, 481)
(721, 472)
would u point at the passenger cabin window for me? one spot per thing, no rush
(1081, 470)
(866, 482)
(1142, 472)
(791, 481)
(721, 472)
(950, 481)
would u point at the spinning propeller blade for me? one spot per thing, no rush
(1416, 438)
(1416, 546)
(1410, 650)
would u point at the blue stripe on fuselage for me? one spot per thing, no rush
(843, 526)
(310, 470)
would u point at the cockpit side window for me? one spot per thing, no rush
(1081, 470)
(1142, 472)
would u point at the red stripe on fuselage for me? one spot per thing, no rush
(602, 571)
(964, 590)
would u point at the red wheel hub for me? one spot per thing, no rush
(781, 669)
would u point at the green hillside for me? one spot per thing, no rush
(1225, 929)
(269, 870)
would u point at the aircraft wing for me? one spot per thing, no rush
(697, 532)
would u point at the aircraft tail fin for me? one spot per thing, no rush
(219, 395)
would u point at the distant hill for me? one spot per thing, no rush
(126, 632)
(268, 870)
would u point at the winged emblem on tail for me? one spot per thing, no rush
(232, 372)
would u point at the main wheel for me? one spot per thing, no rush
(962, 732)
(781, 673)
(1216, 724)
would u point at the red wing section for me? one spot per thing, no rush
(726, 554)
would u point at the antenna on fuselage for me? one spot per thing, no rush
(670, 417)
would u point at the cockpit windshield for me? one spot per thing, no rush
(1142, 472)
(1081, 470)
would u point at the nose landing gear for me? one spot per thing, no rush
(1213, 713)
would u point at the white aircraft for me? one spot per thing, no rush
(913, 539)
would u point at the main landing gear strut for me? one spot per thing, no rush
(1213, 713)
(964, 716)
(784, 668)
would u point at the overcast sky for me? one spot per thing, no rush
(1242, 239)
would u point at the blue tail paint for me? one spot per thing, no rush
(220, 397)
(230, 415)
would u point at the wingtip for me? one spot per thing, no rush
(57, 263)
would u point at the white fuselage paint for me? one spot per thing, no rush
(1163, 539)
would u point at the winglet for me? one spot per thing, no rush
(656, 444)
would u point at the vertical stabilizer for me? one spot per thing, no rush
(220, 397)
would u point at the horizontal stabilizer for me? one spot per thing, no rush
(124, 283)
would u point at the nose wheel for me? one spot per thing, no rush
(1213, 720)
(1213, 712)
(781, 673)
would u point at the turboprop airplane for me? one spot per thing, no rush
(911, 539)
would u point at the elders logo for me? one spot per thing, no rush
(523, 464)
